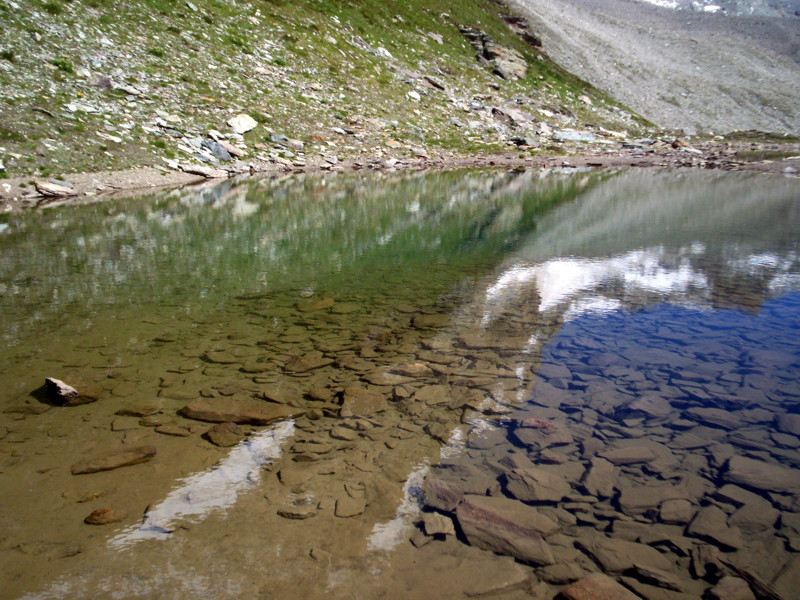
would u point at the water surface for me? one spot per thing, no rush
(628, 340)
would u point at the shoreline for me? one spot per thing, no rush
(20, 193)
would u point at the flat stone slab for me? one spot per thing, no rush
(126, 458)
(711, 523)
(506, 527)
(360, 402)
(617, 556)
(238, 410)
(629, 455)
(536, 485)
(762, 475)
(597, 587)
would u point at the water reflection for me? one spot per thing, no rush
(215, 489)
(617, 337)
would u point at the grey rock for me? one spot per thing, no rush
(219, 152)
(242, 123)
(788, 423)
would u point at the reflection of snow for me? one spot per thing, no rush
(386, 536)
(563, 279)
(215, 489)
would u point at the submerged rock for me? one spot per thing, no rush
(731, 588)
(597, 587)
(238, 410)
(126, 458)
(506, 527)
(104, 516)
(762, 475)
(711, 523)
(536, 485)
(225, 434)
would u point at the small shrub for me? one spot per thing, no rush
(53, 8)
(64, 64)
(8, 55)
(157, 52)
(279, 62)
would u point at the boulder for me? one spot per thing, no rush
(242, 123)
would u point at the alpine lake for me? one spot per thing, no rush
(468, 384)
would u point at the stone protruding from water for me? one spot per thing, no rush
(63, 394)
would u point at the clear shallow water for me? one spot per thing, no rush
(445, 327)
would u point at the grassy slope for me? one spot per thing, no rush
(298, 67)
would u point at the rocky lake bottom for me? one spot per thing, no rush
(533, 384)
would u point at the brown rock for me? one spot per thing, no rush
(505, 527)
(347, 506)
(629, 455)
(600, 478)
(430, 321)
(126, 458)
(442, 494)
(617, 556)
(731, 588)
(225, 434)
(174, 430)
(711, 523)
(762, 475)
(315, 304)
(536, 485)
(596, 587)
(238, 410)
(437, 524)
(104, 516)
(360, 402)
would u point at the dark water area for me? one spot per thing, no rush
(467, 384)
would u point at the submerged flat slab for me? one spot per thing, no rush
(238, 410)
